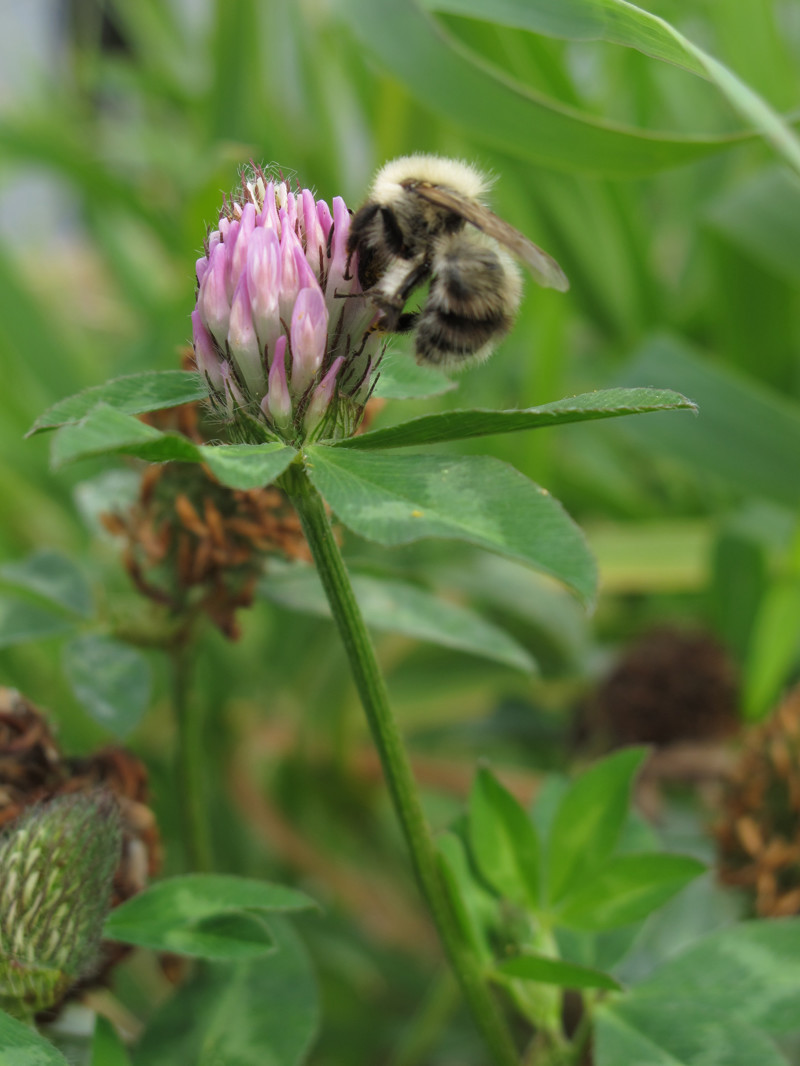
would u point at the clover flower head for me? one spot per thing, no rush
(282, 331)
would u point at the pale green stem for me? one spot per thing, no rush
(190, 758)
(396, 766)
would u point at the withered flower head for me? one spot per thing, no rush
(33, 768)
(669, 685)
(196, 545)
(758, 835)
(31, 764)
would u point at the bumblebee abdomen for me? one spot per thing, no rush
(446, 339)
(474, 295)
(474, 278)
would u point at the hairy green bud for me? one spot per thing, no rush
(57, 863)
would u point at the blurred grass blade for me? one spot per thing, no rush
(745, 434)
(457, 425)
(647, 557)
(512, 117)
(440, 72)
(774, 647)
(59, 142)
(619, 22)
(234, 110)
(761, 216)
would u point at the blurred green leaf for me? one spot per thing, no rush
(30, 336)
(264, 1011)
(631, 1033)
(620, 22)
(648, 556)
(223, 937)
(402, 379)
(574, 20)
(21, 621)
(20, 1045)
(53, 576)
(504, 842)
(456, 425)
(556, 972)
(761, 215)
(749, 971)
(774, 647)
(626, 889)
(56, 139)
(208, 915)
(107, 1048)
(110, 680)
(739, 578)
(233, 108)
(515, 119)
(152, 390)
(395, 499)
(588, 822)
(543, 605)
(744, 434)
(467, 899)
(400, 608)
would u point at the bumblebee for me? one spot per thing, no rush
(426, 220)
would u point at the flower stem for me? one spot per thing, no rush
(396, 766)
(189, 758)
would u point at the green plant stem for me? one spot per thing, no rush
(189, 757)
(583, 1033)
(396, 766)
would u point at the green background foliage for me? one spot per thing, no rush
(654, 166)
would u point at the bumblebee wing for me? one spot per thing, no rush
(543, 267)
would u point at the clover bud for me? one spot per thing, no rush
(57, 862)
